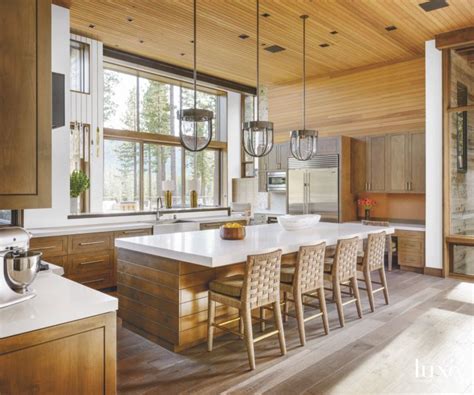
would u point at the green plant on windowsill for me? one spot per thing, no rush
(78, 183)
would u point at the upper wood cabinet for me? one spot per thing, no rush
(375, 164)
(25, 109)
(394, 163)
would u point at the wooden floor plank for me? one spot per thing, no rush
(429, 319)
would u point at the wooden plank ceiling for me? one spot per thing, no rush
(162, 29)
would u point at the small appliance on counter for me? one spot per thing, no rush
(19, 266)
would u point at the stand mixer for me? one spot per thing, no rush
(18, 266)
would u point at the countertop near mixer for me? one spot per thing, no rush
(58, 301)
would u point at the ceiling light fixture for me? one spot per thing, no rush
(257, 136)
(195, 124)
(304, 142)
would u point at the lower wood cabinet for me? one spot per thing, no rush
(410, 249)
(73, 358)
(86, 258)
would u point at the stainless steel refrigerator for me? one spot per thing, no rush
(313, 187)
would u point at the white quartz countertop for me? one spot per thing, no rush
(57, 301)
(403, 226)
(208, 249)
(72, 230)
(220, 218)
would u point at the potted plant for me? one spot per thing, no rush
(368, 204)
(78, 183)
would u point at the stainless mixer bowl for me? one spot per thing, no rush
(21, 268)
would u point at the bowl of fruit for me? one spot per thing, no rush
(232, 231)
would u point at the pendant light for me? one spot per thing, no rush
(195, 124)
(257, 136)
(303, 142)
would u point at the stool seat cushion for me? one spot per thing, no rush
(230, 286)
(286, 274)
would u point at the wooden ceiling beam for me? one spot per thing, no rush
(62, 3)
(456, 38)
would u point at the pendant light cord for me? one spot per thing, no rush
(195, 50)
(258, 60)
(304, 17)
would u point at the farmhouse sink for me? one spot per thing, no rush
(174, 227)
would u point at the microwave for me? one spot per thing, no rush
(276, 181)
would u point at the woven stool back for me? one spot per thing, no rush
(309, 271)
(375, 253)
(345, 260)
(262, 279)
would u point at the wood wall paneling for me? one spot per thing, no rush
(382, 100)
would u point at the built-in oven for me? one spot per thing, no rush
(276, 181)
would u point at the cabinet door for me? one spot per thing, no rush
(397, 157)
(25, 83)
(416, 162)
(284, 154)
(376, 164)
(262, 181)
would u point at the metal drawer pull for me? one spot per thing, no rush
(44, 248)
(91, 262)
(127, 232)
(99, 280)
(90, 243)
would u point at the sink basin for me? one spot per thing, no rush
(174, 227)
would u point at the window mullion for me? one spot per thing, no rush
(138, 103)
(142, 178)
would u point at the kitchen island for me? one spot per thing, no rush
(163, 279)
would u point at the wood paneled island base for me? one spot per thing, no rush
(165, 300)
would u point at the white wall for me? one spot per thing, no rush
(434, 156)
(233, 139)
(60, 136)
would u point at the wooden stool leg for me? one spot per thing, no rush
(286, 308)
(248, 335)
(336, 290)
(368, 286)
(324, 310)
(279, 326)
(211, 314)
(383, 280)
(262, 319)
(355, 287)
(297, 297)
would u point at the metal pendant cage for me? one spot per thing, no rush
(195, 128)
(257, 138)
(303, 144)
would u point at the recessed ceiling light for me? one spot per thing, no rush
(192, 41)
(324, 45)
(182, 54)
(129, 19)
(244, 36)
(141, 41)
(263, 44)
(274, 48)
(265, 14)
(390, 28)
(91, 26)
(334, 32)
(433, 5)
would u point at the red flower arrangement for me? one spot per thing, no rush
(367, 203)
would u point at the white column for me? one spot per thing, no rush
(233, 140)
(434, 156)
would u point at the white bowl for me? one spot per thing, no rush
(298, 222)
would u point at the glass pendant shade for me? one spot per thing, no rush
(257, 138)
(195, 125)
(303, 144)
(195, 128)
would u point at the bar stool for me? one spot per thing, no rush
(343, 271)
(373, 260)
(258, 287)
(305, 278)
(389, 249)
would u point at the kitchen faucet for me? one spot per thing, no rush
(159, 205)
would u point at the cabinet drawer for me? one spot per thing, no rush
(98, 280)
(412, 246)
(411, 234)
(91, 262)
(90, 242)
(50, 246)
(414, 260)
(132, 233)
(60, 261)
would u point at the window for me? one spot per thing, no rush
(136, 102)
(80, 60)
(135, 167)
(5, 217)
